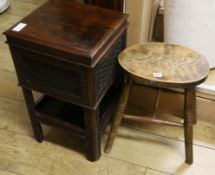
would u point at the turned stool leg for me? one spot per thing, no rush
(193, 96)
(189, 119)
(118, 116)
(38, 133)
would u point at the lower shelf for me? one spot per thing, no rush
(53, 112)
(57, 113)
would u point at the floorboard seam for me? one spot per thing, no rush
(158, 171)
(136, 164)
(10, 98)
(139, 130)
(10, 171)
(139, 165)
(17, 133)
(8, 71)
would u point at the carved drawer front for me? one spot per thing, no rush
(52, 76)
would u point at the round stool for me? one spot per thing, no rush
(162, 66)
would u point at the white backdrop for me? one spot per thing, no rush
(191, 23)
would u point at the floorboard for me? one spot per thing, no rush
(161, 153)
(138, 150)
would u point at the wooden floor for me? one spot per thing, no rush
(138, 149)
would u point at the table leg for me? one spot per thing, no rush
(189, 119)
(37, 129)
(93, 134)
(118, 116)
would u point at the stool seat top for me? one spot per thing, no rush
(164, 65)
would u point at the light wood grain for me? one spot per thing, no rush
(3, 172)
(22, 8)
(161, 153)
(8, 21)
(29, 2)
(14, 117)
(6, 60)
(21, 154)
(2, 39)
(178, 65)
(8, 86)
(154, 172)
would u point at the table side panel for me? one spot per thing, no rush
(106, 69)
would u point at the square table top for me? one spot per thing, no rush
(71, 27)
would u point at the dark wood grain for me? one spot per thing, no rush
(68, 51)
(110, 4)
(38, 133)
(71, 27)
(189, 120)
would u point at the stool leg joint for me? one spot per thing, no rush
(118, 116)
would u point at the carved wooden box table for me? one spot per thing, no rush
(68, 51)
